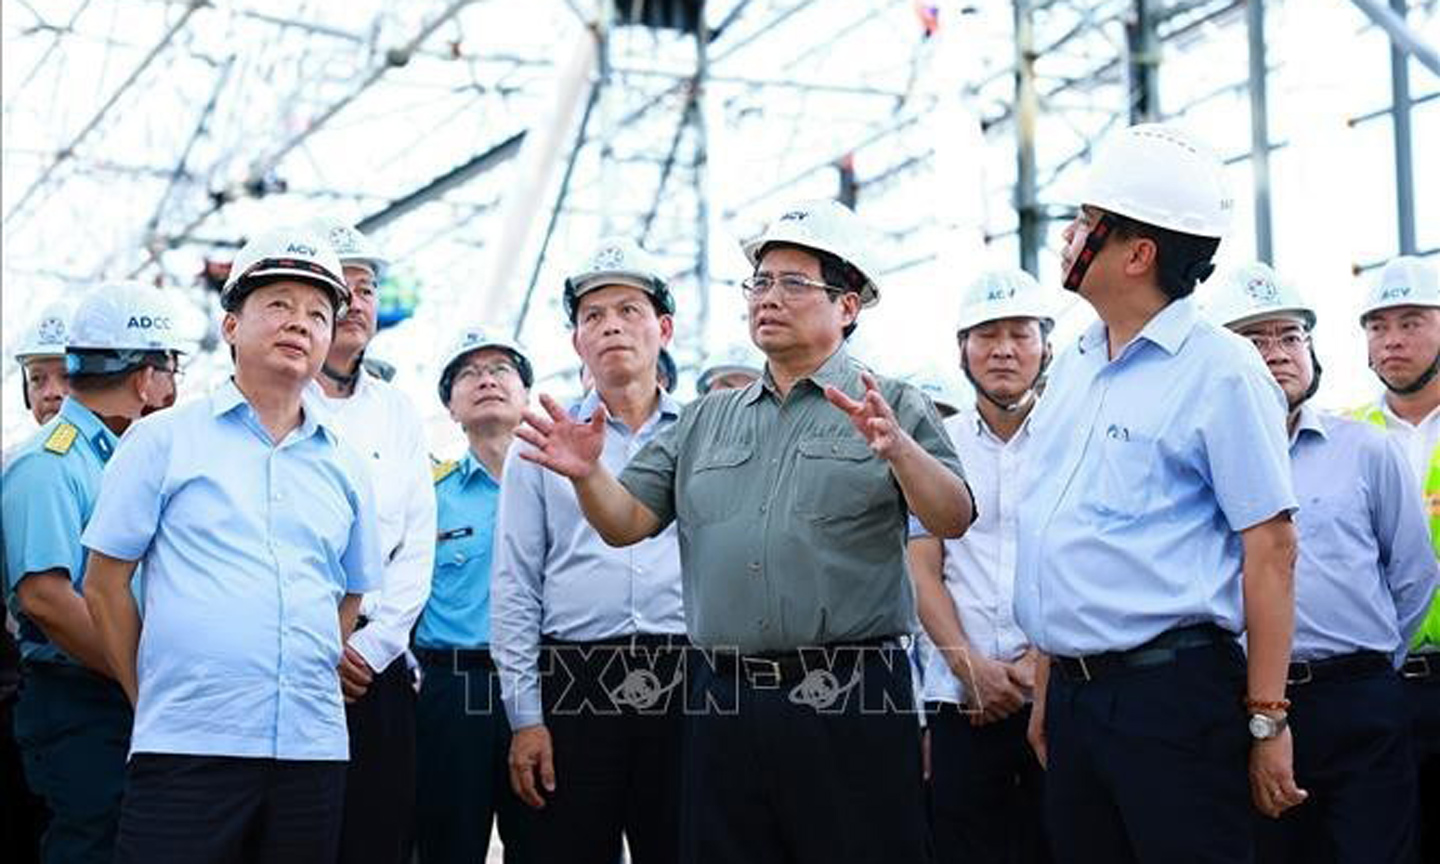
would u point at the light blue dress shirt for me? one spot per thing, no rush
(47, 501)
(457, 615)
(554, 576)
(248, 549)
(1141, 473)
(1365, 572)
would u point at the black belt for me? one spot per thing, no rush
(1421, 667)
(634, 642)
(777, 668)
(456, 658)
(1360, 664)
(1160, 651)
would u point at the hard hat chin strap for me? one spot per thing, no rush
(1314, 382)
(1019, 403)
(346, 380)
(1094, 240)
(1419, 383)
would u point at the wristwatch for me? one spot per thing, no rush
(1263, 727)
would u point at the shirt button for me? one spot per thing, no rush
(277, 496)
(764, 625)
(459, 557)
(754, 566)
(762, 508)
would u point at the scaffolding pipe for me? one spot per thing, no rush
(1259, 130)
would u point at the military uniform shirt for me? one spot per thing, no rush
(457, 614)
(792, 531)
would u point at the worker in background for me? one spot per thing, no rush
(1154, 526)
(735, 369)
(590, 639)
(790, 497)
(42, 364)
(979, 679)
(382, 424)
(1362, 583)
(1401, 319)
(462, 734)
(257, 530)
(72, 720)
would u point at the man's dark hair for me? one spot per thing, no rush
(1182, 261)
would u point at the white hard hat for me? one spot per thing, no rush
(1404, 281)
(297, 253)
(618, 261)
(117, 324)
(474, 338)
(941, 386)
(1159, 175)
(46, 335)
(998, 294)
(1253, 293)
(354, 248)
(736, 359)
(827, 226)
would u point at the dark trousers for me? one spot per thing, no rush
(1423, 695)
(22, 815)
(462, 747)
(1353, 755)
(808, 772)
(987, 790)
(1151, 765)
(379, 820)
(615, 719)
(229, 810)
(73, 729)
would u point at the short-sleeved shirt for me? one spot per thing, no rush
(248, 549)
(792, 530)
(1143, 471)
(457, 615)
(1365, 572)
(50, 490)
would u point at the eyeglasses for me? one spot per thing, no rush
(497, 369)
(1290, 343)
(792, 285)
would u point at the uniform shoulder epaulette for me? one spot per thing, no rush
(440, 470)
(62, 439)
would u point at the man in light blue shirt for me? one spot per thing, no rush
(72, 721)
(596, 761)
(1157, 474)
(1363, 583)
(462, 736)
(257, 530)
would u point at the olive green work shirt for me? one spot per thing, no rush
(792, 531)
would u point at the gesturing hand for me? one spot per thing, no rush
(872, 417)
(565, 446)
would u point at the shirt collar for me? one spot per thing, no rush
(668, 406)
(838, 371)
(1167, 329)
(89, 425)
(314, 416)
(976, 421)
(1309, 421)
(1391, 418)
(469, 464)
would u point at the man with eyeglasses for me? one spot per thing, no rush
(462, 735)
(1401, 319)
(590, 639)
(1363, 580)
(256, 527)
(72, 720)
(377, 419)
(790, 496)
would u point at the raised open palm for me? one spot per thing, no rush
(565, 446)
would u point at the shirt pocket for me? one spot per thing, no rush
(839, 478)
(1125, 480)
(715, 488)
(455, 547)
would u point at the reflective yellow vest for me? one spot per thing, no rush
(1429, 632)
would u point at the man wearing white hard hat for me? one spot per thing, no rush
(463, 736)
(1401, 318)
(737, 367)
(1154, 527)
(257, 530)
(590, 639)
(72, 720)
(42, 363)
(1362, 582)
(986, 784)
(378, 420)
(790, 497)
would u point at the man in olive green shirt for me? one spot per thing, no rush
(791, 498)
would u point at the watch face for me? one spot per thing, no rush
(1261, 727)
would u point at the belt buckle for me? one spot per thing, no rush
(1306, 678)
(1416, 666)
(758, 668)
(1084, 669)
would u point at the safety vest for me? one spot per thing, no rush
(1429, 632)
